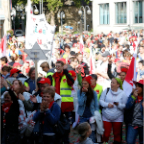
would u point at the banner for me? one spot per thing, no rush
(38, 30)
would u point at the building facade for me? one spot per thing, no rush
(5, 18)
(117, 15)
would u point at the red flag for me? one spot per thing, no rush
(91, 62)
(81, 45)
(130, 77)
(3, 47)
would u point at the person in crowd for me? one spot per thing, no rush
(3, 85)
(12, 61)
(4, 61)
(101, 71)
(113, 101)
(87, 102)
(96, 87)
(84, 130)
(134, 114)
(127, 57)
(73, 63)
(6, 71)
(48, 114)
(30, 82)
(67, 52)
(62, 81)
(20, 59)
(140, 75)
(115, 73)
(45, 67)
(9, 119)
(84, 65)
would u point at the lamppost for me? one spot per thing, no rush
(36, 11)
(78, 25)
(88, 12)
(23, 17)
(87, 27)
(61, 16)
(13, 14)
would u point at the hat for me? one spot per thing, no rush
(105, 54)
(123, 69)
(140, 82)
(88, 79)
(120, 82)
(13, 71)
(63, 60)
(45, 80)
(72, 73)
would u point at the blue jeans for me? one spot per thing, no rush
(93, 134)
(133, 133)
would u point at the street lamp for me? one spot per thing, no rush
(36, 11)
(13, 14)
(88, 12)
(61, 16)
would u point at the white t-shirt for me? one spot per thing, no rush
(103, 67)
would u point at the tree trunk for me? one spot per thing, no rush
(52, 22)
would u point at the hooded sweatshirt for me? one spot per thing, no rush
(115, 114)
(87, 141)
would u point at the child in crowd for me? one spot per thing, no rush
(84, 130)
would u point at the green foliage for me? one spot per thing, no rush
(11, 32)
(78, 2)
(18, 2)
(52, 5)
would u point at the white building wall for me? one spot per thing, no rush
(5, 12)
(112, 26)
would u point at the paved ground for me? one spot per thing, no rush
(74, 137)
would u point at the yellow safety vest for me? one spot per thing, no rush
(49, 74)
(98, 89)
(65, 90)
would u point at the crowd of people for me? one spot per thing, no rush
(82, 89)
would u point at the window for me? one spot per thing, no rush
(104, 14)
(121, 13)
(138, 6)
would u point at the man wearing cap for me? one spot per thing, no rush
(44, 83)
(45, 67)
(16, 74)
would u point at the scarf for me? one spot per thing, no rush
(139, 99)
(51, 104)
(57, 76)
(6, 107)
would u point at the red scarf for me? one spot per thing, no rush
(6, 107)
(51, 104)
(57, 76)
(139, 99)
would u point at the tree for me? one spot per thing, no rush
(18, 2)
(54, 5)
